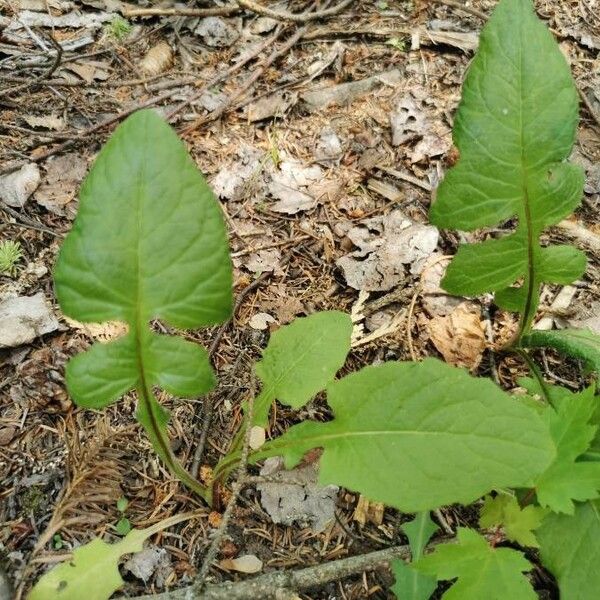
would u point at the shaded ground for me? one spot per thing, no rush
(317, 177)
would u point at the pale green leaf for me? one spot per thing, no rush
(514, 128)
(410, 584)
(482, 571)
(301, 359)
(570, 549)
(518, 523)
(92, 572)
(435, 434)
(419, 532)
(568, 478)
(578, 343)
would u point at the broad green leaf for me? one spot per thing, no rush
(568, 479)
(410, 584)
(301, 359)
(518, 523)
(570, 549)
(435, 435)
(148, 242)
(578, 343)
(482, 571)
(93, 571)
(514, 128)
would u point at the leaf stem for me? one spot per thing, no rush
(536, 373)
(162, 445)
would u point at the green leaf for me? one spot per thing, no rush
(149, 242)
(301, 359)
(421, 435)
(419, 532)
(123, 526)
(514, 128)
(568, 479)
(410, 584)
(578, 343)
(518, 523)
(92, 573)
(482, 571)
(570, 549)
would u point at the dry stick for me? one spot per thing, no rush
(249, 82)
(235, 490)
(83, 135)
(222, 11)
(221, 77)
(210, 406)
(296, 17)
(269, 586)
(24, 221)
(461, 6)
(589, 105)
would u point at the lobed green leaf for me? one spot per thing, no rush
(578, 343)
(410, 583)
(436, 435)
(570, 549)
(301, 359)
(482, 571)
(149, 242)
(514, 128)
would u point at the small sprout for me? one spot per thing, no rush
(122, 504)
(57, 541)
(123, 526)
(10, 255)
(118, 28)
(398, 43)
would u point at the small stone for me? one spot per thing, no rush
(24, 318)
(17, 187)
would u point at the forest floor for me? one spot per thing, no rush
(323, 141)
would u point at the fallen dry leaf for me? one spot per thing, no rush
(248, 563)
(15, 188)
(459, 337)
(385, 245)
(261, 321)
(368, 512)
(296, 496)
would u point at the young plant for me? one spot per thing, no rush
(10, 255)
(148, 243)
(514, 128)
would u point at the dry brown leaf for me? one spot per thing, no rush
(158, 59)
(248, 563)
(459, 337)
(368, 512)
(103, 332)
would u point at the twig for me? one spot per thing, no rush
(221, 11)
(465, 9)
(267, 587)
(24, 221)
(84, 135)
(227, 73)
(295, 17)
(235, 490)
(595, 115)
(409, 322)
(249, 82)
